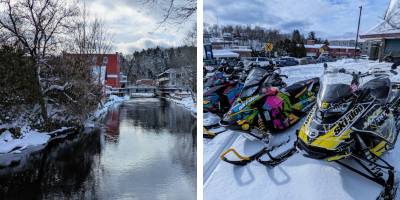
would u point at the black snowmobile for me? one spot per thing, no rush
(265, 104)
(218, 99)
(352, 119)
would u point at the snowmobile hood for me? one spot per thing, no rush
(330, 134)
(242, 111)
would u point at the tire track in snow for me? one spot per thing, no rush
(210, 166)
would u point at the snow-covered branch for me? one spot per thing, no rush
(58, 87)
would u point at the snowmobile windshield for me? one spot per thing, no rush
(216, 79)
(252, 82)
(336, 87)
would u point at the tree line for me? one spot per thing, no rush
(291, 44)
(149, 63)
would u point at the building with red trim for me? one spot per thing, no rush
(335, 51)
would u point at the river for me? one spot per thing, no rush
(146, 149)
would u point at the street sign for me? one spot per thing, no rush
(269, 46)
(322, 50)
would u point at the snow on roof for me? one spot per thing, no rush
(315, 46)
(390, 25)
(224, 53)
(393, 7)
(171, 70)
(318, 46)
(341, 47)
(240, 50)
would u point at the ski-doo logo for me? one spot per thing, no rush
(244, 104)
(347, 119)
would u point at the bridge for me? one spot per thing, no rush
(136, 91)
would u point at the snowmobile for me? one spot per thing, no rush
(220, 91)
(350, 120)
(219, 98)
(265, 104)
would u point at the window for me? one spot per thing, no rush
(105, 60)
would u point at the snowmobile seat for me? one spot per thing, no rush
(296, 89)
(379, 88)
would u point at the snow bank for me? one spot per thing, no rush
(298, 177)
(28, 138)
(187, 103)
(112, 101)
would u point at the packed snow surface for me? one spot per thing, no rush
(296, 178)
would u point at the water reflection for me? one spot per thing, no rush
(59, 168)
(147, 150)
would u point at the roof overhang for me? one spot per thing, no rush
(380, 36)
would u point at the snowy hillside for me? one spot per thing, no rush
(298, 177)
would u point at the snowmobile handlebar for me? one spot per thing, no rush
(284, 76)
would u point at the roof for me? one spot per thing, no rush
(342, 47)
(318, 46)
(224, 53)
(389, 27)
(314, 46)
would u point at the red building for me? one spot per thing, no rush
(342, 51)
(105, 67)
(113, 71)
(113, 68)
(335, 51)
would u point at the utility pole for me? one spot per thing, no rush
(358, 31)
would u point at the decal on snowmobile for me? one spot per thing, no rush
(248, 101)
(347, 119)
(377, 118)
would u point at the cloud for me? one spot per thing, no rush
(134, 26)
(331, 18)
(144, 43)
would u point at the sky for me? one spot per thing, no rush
(332, 19)
(134, 26)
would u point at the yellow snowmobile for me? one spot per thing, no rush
(356, 116)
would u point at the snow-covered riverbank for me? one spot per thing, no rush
(187, 103)
(298, 177)
(30, 137)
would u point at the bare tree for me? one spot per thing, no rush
(174, 11)
(38, 26)
(91, 39)
(191, 36)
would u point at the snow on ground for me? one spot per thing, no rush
(210, 119)
(28, 138)
(32, 138)
(111, 102)
(187, 103)
(296, 178)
